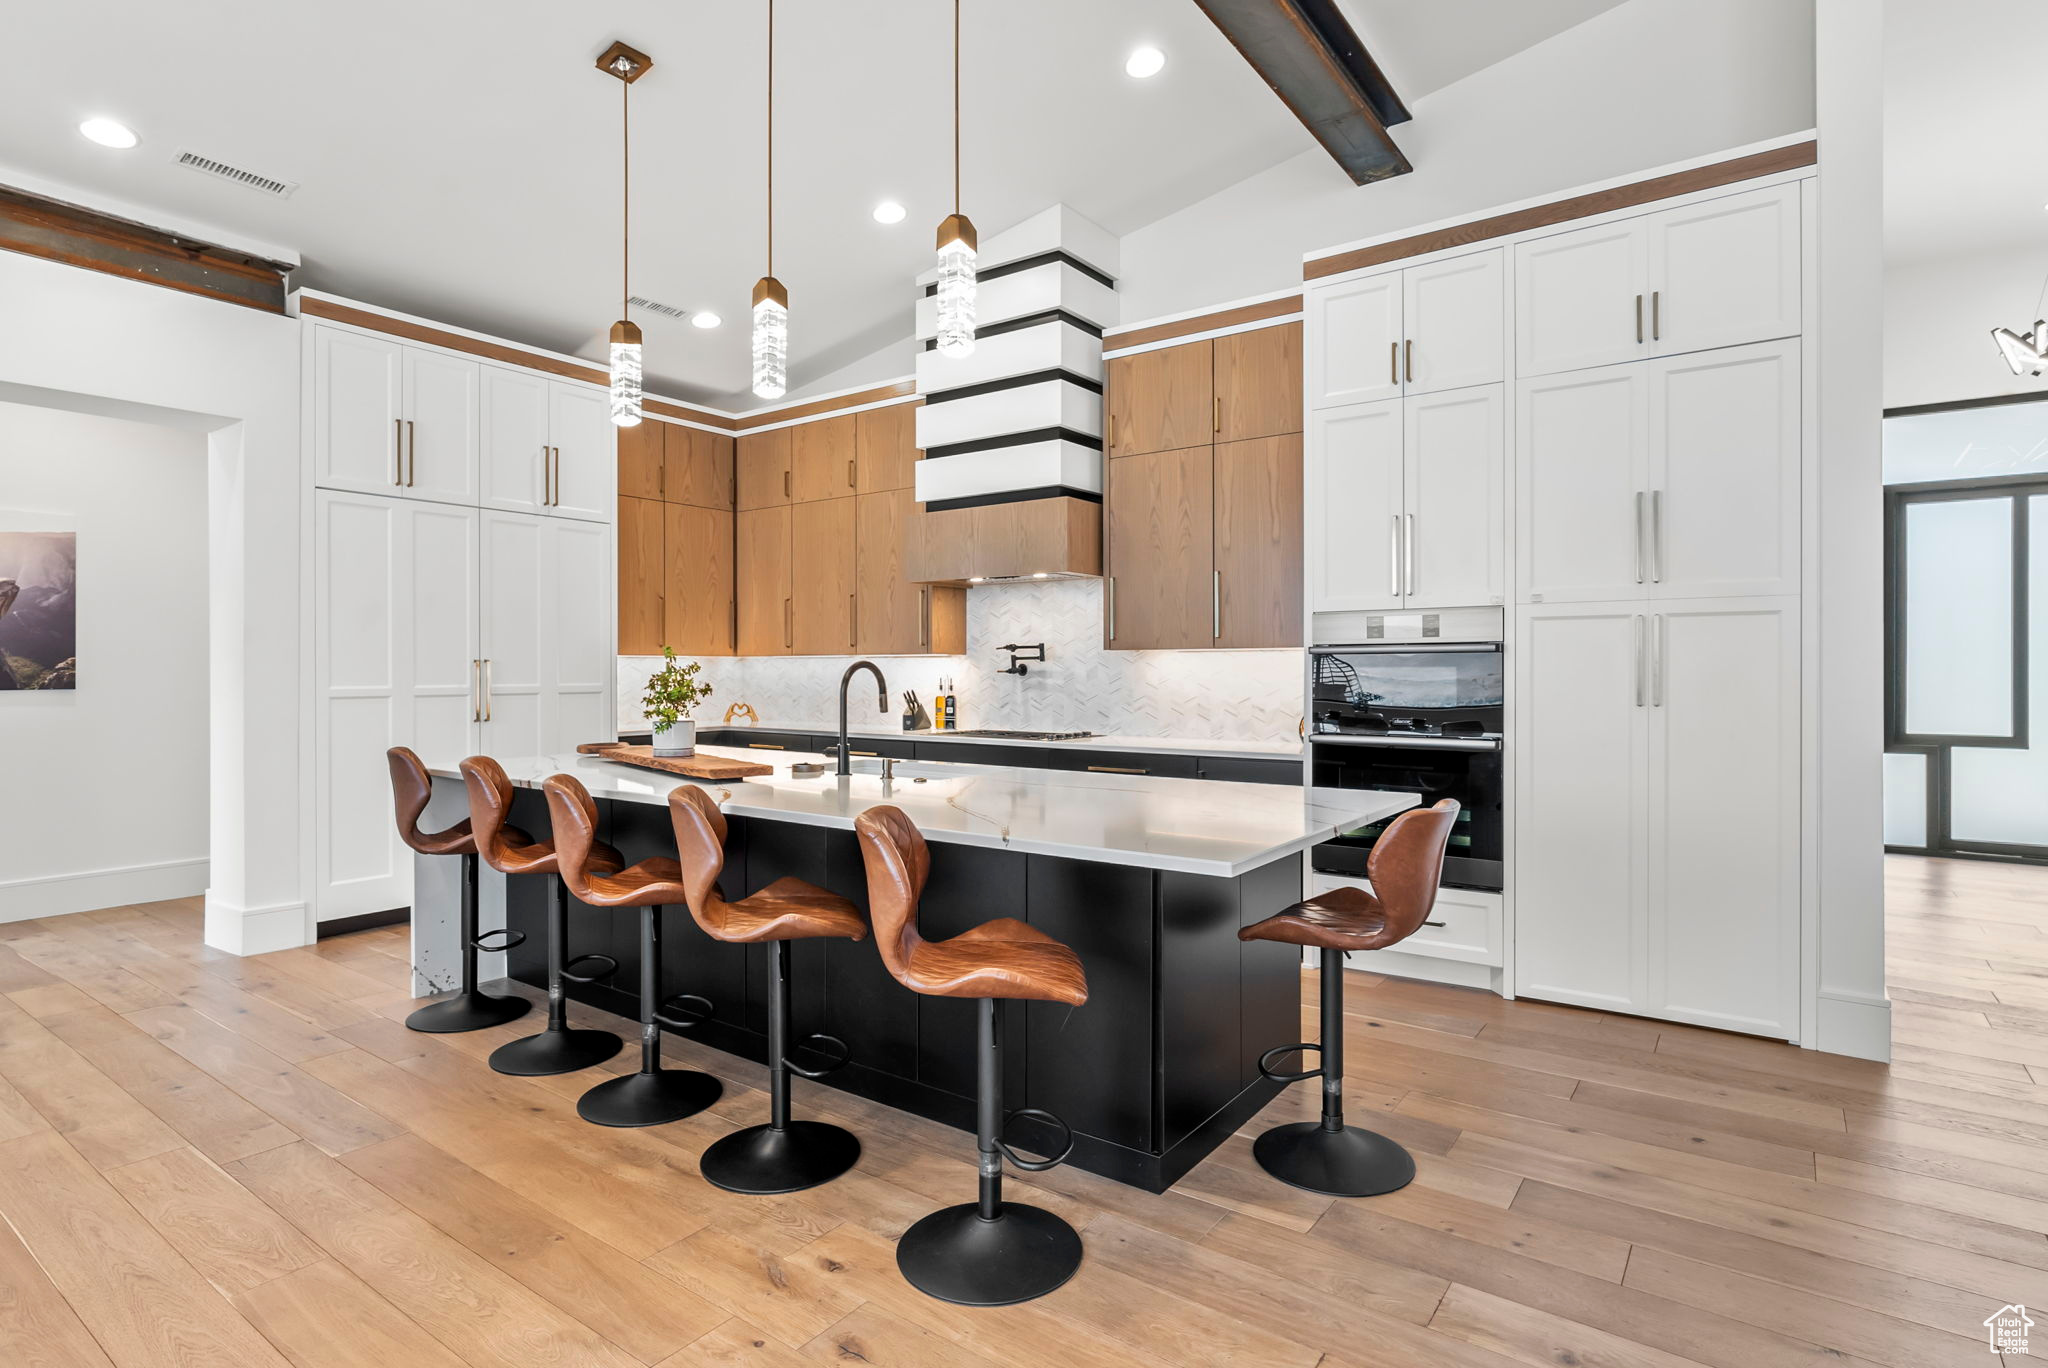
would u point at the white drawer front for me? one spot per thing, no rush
(1464, 925)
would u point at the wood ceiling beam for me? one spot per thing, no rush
(99, 242)
(1308, 52)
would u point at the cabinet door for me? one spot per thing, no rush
(1454, 547)
(441, 426)
(586, 464)
(762, 463)
(1258, 542)
(395, 661)
(642, 575)
(823, 567)
(1354, 512)
(1581, 869)
(358, 432)
(640, 459)
(1160, 509)
(761, 538)
(886, 447)
(1582, 485)
(517, 607)
(1724, 472)
(1162, 400)
(515, 460)
(1354, 341)
(1580, 298)
(893, 611)
(821, 459)
(696, 466)
(1723, 933)
(698, 581)
(1451, 320)
(1725, 271)
(1258, 383)
(580, 701)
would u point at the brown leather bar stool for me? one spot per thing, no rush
(653, 1095)
(1328, 1156)
(557, 1049)
(987, 1252)
(782, 1155)
(469, 1009)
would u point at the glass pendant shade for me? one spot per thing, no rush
(625, 373)
(955, 298)
(2026, 353)
(771, 338)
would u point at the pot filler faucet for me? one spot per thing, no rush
(1017, 657)
(881, 704)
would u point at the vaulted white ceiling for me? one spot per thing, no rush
(459, 160)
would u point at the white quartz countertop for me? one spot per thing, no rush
(1142, 745)
(1191, 826)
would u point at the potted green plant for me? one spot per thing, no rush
(671, 692)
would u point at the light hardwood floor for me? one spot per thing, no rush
(214, 1161)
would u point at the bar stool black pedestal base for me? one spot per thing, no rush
(761, 1160)
(1338, 1163)
(649, 1099)
(956, 1256)
(555, 1052)
(470, 1011)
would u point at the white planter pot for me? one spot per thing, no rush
(675, 742)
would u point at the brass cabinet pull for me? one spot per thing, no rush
(1219, 413)
(1114, 769)
(852, 620)
(1656, 315)
(487, 689)
(851, 483)
(398, 453)
(1112, 607)
(1408, 349)
(924, 617)
(1639, 318)
(476, 691)
(785, 484)
(412, 452)
(764, 745)
(1216, 604)
(1109, 431)
(1393, 363)
(544, 477)
(788, 629)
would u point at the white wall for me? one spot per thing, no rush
(78, 340)
(1938, 317)
(75, 836)
(1641, 85)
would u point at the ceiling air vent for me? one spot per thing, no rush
(227, 171)
(656, 306)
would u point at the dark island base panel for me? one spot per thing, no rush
(1156, 1071)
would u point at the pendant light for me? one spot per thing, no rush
(957, 243)
(771, 300)
(628, 66)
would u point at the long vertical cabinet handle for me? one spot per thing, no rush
(476, 691)
(788, 628)
(412, 452)
(1639, 318)
(1657, 661)
(1408, 556)
(546, 477)
(487, 688)
(1216, 407)
(851, 483)
(1216, 605)
(1394, 363)
(1637, 620)
(924, 617)
(1656, 536)
(1639, 536)
(1408, 364)
(398, 453)
(1112, 607)
(1394, 558)
(852, 620)
(1656, 315)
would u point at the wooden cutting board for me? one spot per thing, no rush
(713, 767)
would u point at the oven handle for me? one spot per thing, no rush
(1449, 743)
(1405, 648)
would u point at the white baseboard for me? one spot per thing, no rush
(55, 895)
(1857, 1026)
(257, 930)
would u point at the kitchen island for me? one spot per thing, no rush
(1148, 879)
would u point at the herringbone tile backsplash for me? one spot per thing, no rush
(1199, 695)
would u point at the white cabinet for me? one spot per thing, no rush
(547, 446)
(1717, 273)
(1408, 503)
(1673, 478)
(1657, 802)
(440, 426)
(546, 639)
(393, 419)
(395, 654)
(1464, 925)
(1409, 331)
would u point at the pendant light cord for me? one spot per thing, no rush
(956, 107)
(625, 194)
(771, 137)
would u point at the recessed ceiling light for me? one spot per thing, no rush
(704, 318)
(1145, 61)
(889, 211)
(108, 133)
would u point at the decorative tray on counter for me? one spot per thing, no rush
(689, 766)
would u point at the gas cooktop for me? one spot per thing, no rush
(998, 735)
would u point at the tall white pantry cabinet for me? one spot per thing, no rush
(1626, 478)
(462, 581)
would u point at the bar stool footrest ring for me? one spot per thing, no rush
(513, 940)
(1038, 1165)
(665, 1014)
(1266, 1071)
(845, 1052)
(570, 972)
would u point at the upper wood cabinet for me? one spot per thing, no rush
(821, 459)
(1258, 542)
(896, 615)
(642, 571)
(640, 460)
(698, 600)
(886, 453)
(761, 538)
(762, 466)
(1258, 383)
(1415, 330)
(824, 608)
(696, 466)
(1162, 400)
(1162, 559)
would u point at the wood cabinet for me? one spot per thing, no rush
(885, 448)
(1162, 400)
(824, 612)
(1413, 330)
(696, 466)
(821, 459)
(896, 615)
(641, 449)
(1258, 383)
(1160, 510)
(676, 552)
(1005, 540)
(762, 469)
(761, 537)
(1258, 528)
(698, 598)
(643, 570)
